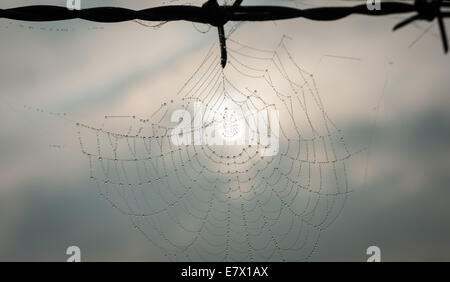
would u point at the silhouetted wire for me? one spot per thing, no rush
(216, 15)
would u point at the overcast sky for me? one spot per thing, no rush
(363, 70)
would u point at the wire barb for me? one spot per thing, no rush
(429, 10)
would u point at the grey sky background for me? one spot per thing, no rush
(48, 203)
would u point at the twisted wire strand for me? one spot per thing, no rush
(198, 14)
(214, 14)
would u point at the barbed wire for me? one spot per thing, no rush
(218, 15)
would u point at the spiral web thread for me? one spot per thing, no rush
(201, 202)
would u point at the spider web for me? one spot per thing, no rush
(230, 203)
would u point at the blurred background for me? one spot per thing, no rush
(384, 89)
